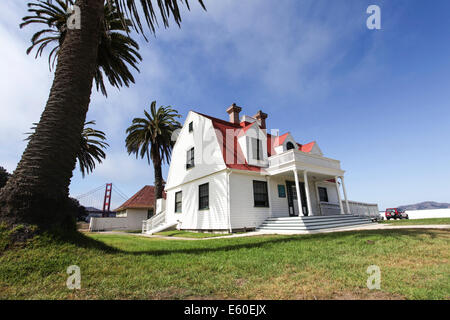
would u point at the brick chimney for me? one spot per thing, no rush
(261, 117)
(233, 111)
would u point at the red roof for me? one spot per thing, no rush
(233, 150)
(306, 147)
(144, 198)
(280, 139)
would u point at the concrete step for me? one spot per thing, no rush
(316, 227)
(308, 221)
(313, 222)
(307, 218)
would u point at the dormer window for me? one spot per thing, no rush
(257, 149)
(190, 158)
(289, 146)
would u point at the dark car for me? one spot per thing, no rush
(394, 213)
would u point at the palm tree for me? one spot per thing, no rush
(37, 192)
(92, 143)
(151, 137)
(115, 50)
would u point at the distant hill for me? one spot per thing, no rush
(427, 205)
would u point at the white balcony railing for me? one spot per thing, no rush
(305, 158)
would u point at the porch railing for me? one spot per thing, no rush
(153, 222)
(329, 209)
(369, 210)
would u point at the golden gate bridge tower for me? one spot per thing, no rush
(101, 200)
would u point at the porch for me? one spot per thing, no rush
(313, 183)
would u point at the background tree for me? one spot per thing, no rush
(42, 177)
(116, 49)
(151, 137)
(80, 212)
(92, 143)
(4, 176)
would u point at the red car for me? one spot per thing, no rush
(394, 213)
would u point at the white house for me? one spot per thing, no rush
(233, 175)
(130, 214)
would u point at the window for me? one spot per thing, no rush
(150, 213)
(260, 195)
(203, 196)
(191, 126)
(281, 191)
(323, 195)
(294, 192)
(290, 146)
(257, 149)
(178, 199)
(190, 158)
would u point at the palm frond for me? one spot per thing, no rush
(117, 52)
(151, 136)
(92, 145)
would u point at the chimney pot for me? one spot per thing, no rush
(234, 111)
(261, 117)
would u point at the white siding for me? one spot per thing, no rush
(246, 145)
(131, 220)
(332, 196)
(280, 207)
(207, 152)
(243, 212)
(135, 218)
(215, 218)
(331, 191)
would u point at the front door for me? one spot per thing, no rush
(292, 199)
(290, 186)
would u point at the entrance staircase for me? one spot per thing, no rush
(313, 223)
(157, 223)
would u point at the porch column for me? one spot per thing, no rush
(316, 190)
(297, 189)
(308, 199)
(345, 195)
(269, 192)
(339, 195)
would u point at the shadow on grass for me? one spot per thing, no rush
(264, 241)
(79, 239)
(221, 245)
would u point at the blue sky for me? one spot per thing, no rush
(378, 100)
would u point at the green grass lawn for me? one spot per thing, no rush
(186, 234)
(414, 265)
(418, 221)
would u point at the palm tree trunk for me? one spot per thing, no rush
(38, 190)
(158, 180)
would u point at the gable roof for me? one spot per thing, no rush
(144, 198)
(306, 147)
(222, 126)
(239, 129)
